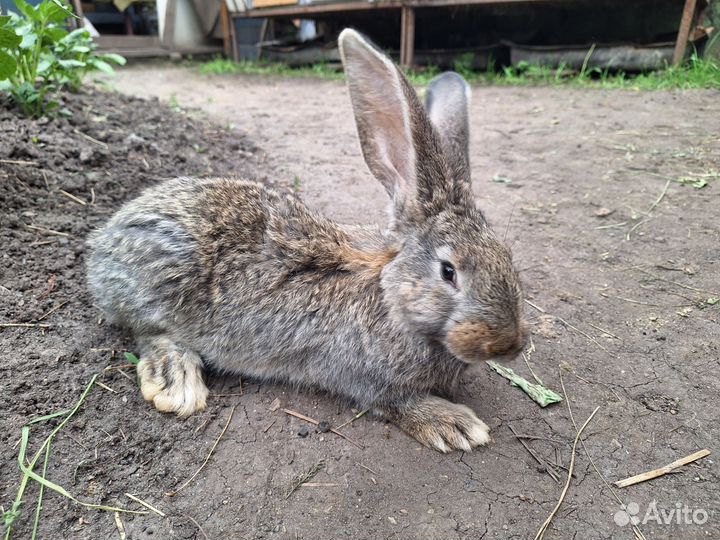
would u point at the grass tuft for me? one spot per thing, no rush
(695, 73)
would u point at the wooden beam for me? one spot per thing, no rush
(363, 5)
(684, 32)
(225, 26)
(407, 36)
(315, 9)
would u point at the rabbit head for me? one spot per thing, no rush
(452, 281)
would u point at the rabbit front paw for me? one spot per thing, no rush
(444, 426)
(171, 377)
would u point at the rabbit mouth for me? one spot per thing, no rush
(475, 342)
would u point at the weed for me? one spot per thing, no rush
(695, 73)
(38, 56)
(174, 103)
(27, 467)
(130, 357)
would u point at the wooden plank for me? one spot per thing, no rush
(684, 31)
(271, 3)
(225, 25)
(407, 36)
(316, 9)
(234, 41)
(335, 7)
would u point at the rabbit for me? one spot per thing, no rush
(231, 276)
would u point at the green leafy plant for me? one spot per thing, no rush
(130, 357)
(75, 57)
(38, 56)
(464, 64)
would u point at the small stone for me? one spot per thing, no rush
(86, 155)
(603, 212)
(470, 485)
(392, 520)
(303, 432)
(323, 426)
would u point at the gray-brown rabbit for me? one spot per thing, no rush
(233, 276)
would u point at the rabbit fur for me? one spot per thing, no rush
(232, 276)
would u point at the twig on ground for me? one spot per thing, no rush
(47, 231)
(612, 225)
(527, 363)
(17, 162)
(640, 302)
(73, 197)
(537, 438)
(120, 526)
(304, 477)
(604, 331)
(537, 458)
(146, 505)
(688, 287)
(358, 415)
(541, 532)
(660, 198)
(205, 536)
(366, 468)
(91, 139)
(52, 310)
(529, 303)
(24, 325)
(106, 387)
(315, 422)
(638, 533)
(41, 243)
(655, 473)
(585, 334)
(632, 229)
(271, 424)
(187, 482)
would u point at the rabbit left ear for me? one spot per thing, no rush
(397, 139)
(382, 114)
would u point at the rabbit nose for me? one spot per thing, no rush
(508, 343)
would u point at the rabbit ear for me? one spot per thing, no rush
(447, 102)
(398, 141)
(381, 112)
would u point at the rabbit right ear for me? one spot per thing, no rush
(382, 115)
(447, 101)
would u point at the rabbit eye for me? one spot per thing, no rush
(447, 271)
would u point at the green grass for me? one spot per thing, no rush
(27, 467)
(223, 66)
(695, 73)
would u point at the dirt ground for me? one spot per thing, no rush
(622, 264)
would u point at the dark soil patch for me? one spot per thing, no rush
(111, 148)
